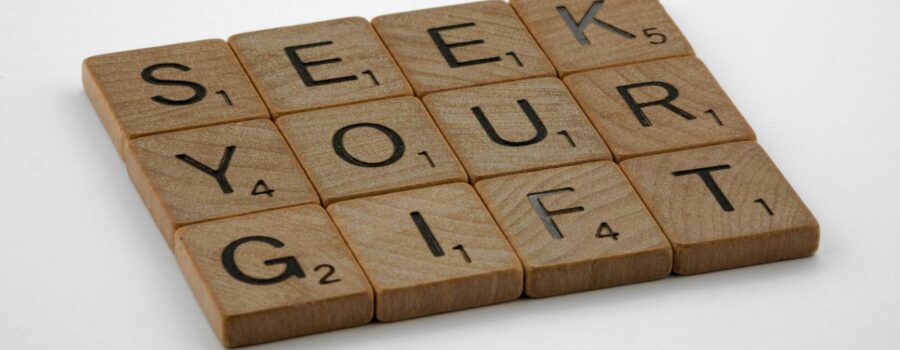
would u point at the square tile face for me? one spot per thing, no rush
(371, 148)
(465, 45)
(319, 65)
(514, 127)
(580, 35)
(210, 173)
(274, 275)
(724, 206)
(429, 250)
(578, 228)
(658, 107)
(162, 89)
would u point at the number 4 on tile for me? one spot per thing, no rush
(262, 188)
(605, 231)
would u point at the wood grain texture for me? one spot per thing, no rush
(626, 31)
(178, 193)
(410, 279)
(268, 300)
(698, 112)
(337, 55)
(555, 219)
(758, 219)
(125, 103)
(485, 32)
(562, 121)
(416, 156)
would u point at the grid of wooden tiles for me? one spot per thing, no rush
(457, 169)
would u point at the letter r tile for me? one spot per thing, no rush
(723, 207)
(273, 275)
(577, 228)
(319, 65)
(429, 250)
(580, 35)
(658, 107)
(196, 175)
(464, 45)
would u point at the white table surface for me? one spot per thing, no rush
(82, 265)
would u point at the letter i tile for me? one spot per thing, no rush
(429, 250)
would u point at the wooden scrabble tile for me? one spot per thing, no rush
(658, 107)
(161, 89)
(319, 65)
(273, 275)
(459, 46)
(514, 127)
(214, 172)
(579, 35)
(371, 148)
(724, 206)
(578, 228)
(429, 250)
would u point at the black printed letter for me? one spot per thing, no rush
(303, 67)
(199, 90)
(337, 142)
(446, 49)
(638, 108)
(291, 266)
(540, 129)
(218, 174)
(705, 174)
(427, 235)
(579, 27)
(547, 216)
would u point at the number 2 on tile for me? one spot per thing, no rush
(325, 278)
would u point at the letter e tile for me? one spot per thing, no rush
(464, 45)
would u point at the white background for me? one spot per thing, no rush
(82, 265)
